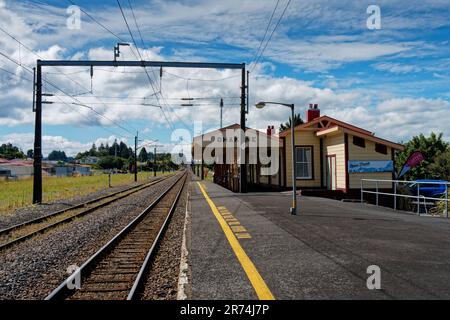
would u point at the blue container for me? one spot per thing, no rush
(433, 188)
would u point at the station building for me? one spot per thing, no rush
(226, 156)
(332, 157)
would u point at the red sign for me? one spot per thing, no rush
(413, 160)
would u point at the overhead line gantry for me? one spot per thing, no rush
(37, 182)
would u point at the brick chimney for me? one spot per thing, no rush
(313, 112)
(270, 130)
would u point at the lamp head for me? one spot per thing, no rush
(260, 105)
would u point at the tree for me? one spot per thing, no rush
(93, 150)
(143, 157)
(102, 151)
(114, 149)
(9, 152)
(123, 150)
(430, 147)
(297, 121)
(440, 168)
(30, 153)
(110, 162)
(57, 156)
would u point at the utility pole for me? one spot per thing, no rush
(242, 148)
(135, 156)
(202, 174)
(221, 112)
(37, 174)
(154, 162)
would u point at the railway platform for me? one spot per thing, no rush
(248, 246)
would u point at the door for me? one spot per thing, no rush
(331, 172)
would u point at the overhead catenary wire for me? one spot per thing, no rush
(198, 79)
(96, 21)
(265, 33)
(63, 91)
(160, 86)
(167, 98)
(160, 90)
(46, 80)
(15, 75)
(63, 102)
(140, 56)
(270, 37)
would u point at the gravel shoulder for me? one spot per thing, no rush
(32, 269)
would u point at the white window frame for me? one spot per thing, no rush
(309, 164)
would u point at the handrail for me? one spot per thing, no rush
(395, 194)
(408, 181)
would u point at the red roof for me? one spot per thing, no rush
(16, 162)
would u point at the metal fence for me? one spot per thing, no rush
(417, 197)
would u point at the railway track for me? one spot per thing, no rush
(28, 229)
(118, 269)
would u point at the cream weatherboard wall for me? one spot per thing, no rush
(304, 138)
(335, 145)
(365, 154)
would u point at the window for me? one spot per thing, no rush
(360, 142)
(303, 162)
(380, 148)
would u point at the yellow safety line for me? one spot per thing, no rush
(258, 283)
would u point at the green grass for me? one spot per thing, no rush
(19, 193)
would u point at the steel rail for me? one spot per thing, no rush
(115, 197)
(63, 291)
(138, 283)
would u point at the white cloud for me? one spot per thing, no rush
(225, 23)
(397, 67)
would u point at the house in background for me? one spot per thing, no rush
(89, 160)
(69, 170)
(16, 169)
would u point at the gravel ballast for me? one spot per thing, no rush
(32, 269)
(162, 279)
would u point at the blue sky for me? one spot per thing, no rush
(393, 81)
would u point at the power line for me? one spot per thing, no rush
(64, 92)
(196, 79)
(270, 37)
(97, 22)
(135, 44)
(160, 92)
(40, 57)
(15, 75)
(89, 119)
(168, 98)
(62, 101)
(140, 56)
(265, 33)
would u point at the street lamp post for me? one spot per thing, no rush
(261, 105)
